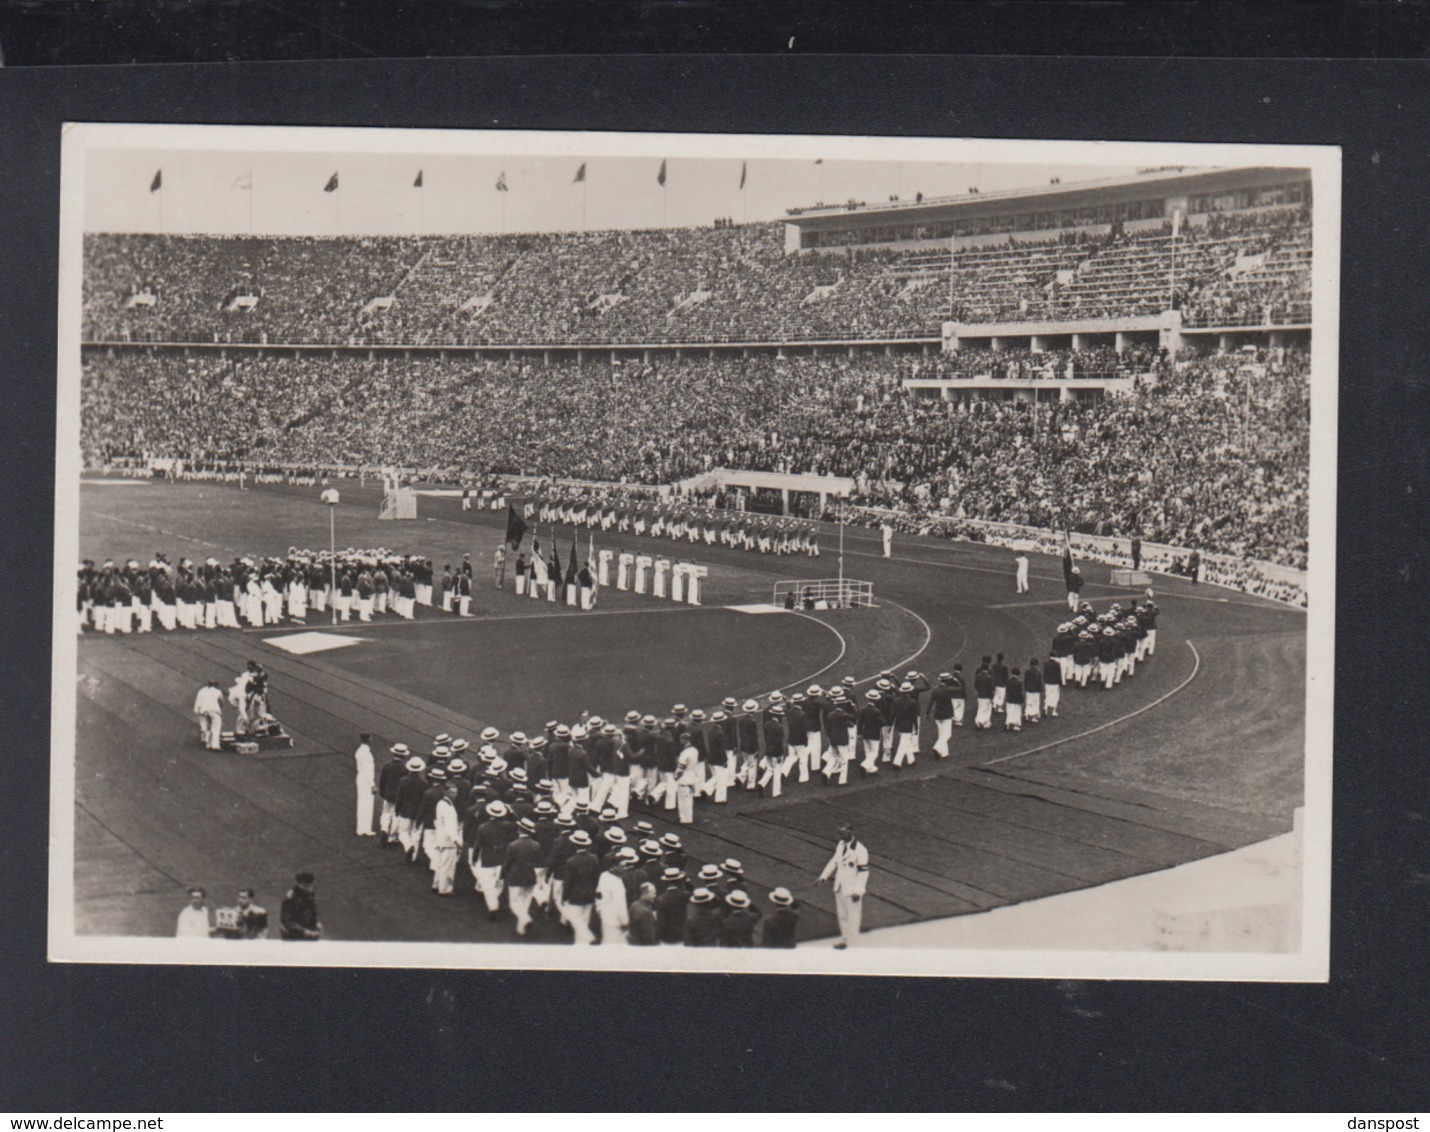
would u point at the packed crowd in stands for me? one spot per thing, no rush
(726, 283)
(1212, 453)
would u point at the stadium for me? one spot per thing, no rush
(649, 475)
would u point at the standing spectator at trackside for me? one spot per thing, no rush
(193, 922)
(1021, 576)
(299, 914)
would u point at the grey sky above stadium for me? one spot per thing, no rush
(285, 192)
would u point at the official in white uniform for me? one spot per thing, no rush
(365, 784)
(208, 706)
(849, 870)
(193, 921)
(1021, 562)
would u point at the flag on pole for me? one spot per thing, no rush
(158, 182)
(515, 527)
(580, 175)
(1176, 223)
(417, 184)
(660, 177)
(571, 562)
(744, 168)
(244, 182)
(501, 182)
(332, 185)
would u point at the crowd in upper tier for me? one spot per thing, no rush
(719, 284)
(1211, 452)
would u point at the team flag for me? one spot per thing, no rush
(571, 563)
(501, 182)
(515, 527)
(580, 175)
(332, 185)
(660, 177)
(744, 168)
(417, 184)
(158, 182)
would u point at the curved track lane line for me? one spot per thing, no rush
(1196, 667)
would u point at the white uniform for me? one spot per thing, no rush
(446, 846)
(1022, 563)
(208, 706)
(615, 913)
(888, 541)
(365, 784)
(849, 868)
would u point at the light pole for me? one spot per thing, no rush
(330, 497)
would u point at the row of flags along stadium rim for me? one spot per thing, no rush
(246, 180)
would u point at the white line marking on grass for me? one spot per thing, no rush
(1196, 667)
(161, 530)
(843, 648)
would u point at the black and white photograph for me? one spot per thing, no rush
(677, 552)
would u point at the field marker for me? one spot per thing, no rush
(1196, 667)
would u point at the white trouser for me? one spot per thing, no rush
(521, 585)
(944, 729)
(1052, 693)
(983, 718)
(579, 917)
(210, 725)
(619, 796)
(364, 808)
(519, 898)
(562, 796)
(871, 755)
(387, 822)
(1015, 717)
(850, 913)
(906, 747)
(601, 790)
(489, 884)
(1000, 697)
(444, 868)
(1035, 706)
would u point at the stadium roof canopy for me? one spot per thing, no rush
(1156, 185)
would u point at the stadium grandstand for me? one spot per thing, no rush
(1114, 357)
